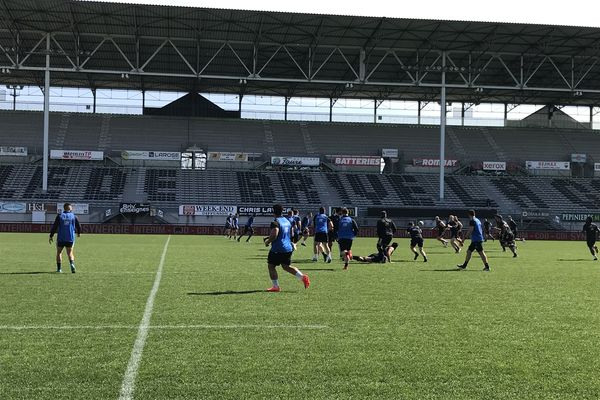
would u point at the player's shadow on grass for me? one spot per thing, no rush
(28, 273)
(449, 270)
(573, 259)
(233, 292)
(318, 269)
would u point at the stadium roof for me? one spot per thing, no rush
(127, 46)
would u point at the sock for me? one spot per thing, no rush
(486, 265)
(58, 265)
(299, 275)
(275, 282)
(72, 263)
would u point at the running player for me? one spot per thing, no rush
(235, 226)
(476, 233)
(305, 226)
(487, 230)
(416, 240)
(248, 229)
(227, 229)
(297, 226)
(385, 231)
(513, 227)
(347, 231)
(322, 225)
(379, 257)
(281, 250)
(455, 232)
(506, 236)
(332, 235)
(440, 228)
(67, 225)
(591, 234)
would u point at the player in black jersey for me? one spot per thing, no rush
(506, 236)
(379, 257)
(385, 231)
(487, 230)
(416, 240)
(591, 234)
(455, 227)
(440, 229)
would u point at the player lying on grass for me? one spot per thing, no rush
(379, 257)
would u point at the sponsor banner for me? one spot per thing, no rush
(13, 151)
(163, 229)
(356, 161)
(42, 207)
(259, 211)
(494, 166)
(151, 155)
(535, 214)
(578, 157)
(559, 165)
(10, 207)
(296, 161)
(76, 155)
(579, 217)
(206, 210)
(352, 211)
(227, 156)
(134, 208)
(432, 162)
(78, 208)
(596, 166)
(392, 153)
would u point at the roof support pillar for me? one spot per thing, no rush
(94, 103)
(46, 114)
(374, 111)
(287, 100)
(331, 109)
(443, 127)
(505, 113)
(419, 112)
(462, 114)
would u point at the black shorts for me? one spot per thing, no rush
(385, 241)
(321, 237)
(296, 237)
(591, 242)
(279, 258)
(440, 232)
(416, 242)
(64, 244)
(476, 246)
(345, 244)
(332, 236)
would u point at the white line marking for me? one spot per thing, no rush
(166, 327)
(128, 385)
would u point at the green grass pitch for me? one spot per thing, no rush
(406, 330)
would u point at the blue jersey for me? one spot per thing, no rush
(305, 222)
(296, 223)
(250, 222)
(477, 234)
(234, 222)
(321, 223)
(283, 243)
(66, 224)
(347, 228)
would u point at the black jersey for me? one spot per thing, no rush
(415, 232)
(591, 231)
(385, 227)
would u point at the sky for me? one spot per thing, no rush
(552, 12)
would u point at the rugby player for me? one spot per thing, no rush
(347, 231)
(416, 240)
(506, 237)
(67, 226)
(248, 228)
(476, 233)
(281, 250)
(305, 227)
(379, 257)
(385, 231)
(322, 225)
(591, 234)
(440, 227)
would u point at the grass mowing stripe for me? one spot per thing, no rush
(128, 385)
(182, 327)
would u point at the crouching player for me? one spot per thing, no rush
(67, 225)
(347, 231)
(416, 240)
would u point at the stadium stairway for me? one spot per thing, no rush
(134, 186)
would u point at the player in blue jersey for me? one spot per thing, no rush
(248, 228)
(476, 233)
(322, 225)
(346, 232)
(67, 226)
(305, 227)
(235, 226)
(227, 229)
(281, 250)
